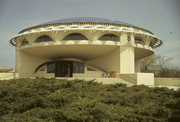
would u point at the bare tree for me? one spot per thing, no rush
(148, 62)
(156, 62)
(162, 62)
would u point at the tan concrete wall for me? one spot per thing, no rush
(75, 75)
(26, 64)
(126, 59)
(120, 60)
(139, 78)
(167, 81)
(93, 74)
(45, 75)
(132, 78)
(109, 62)
(8, 76)
(145, 78)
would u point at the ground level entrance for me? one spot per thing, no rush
(63, 69)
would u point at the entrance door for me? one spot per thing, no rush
(64, 69)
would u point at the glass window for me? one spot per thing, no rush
(78, 67)
(43, 39)
(111, 37)
(75, 36)
(139, 41)
(24, 42)
(51, 68)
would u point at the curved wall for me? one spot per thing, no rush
(107, 46)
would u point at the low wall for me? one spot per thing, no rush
(88, 75)
(103, 80)
(145, 78)
(139, 78)
(167, 81)
(8, 76)
(45, 75)
(132, 78)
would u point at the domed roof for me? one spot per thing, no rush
(85, 19)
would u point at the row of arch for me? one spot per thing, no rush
(73, 36)
(78, 36)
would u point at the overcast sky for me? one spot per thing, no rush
(162, 17)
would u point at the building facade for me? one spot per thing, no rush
(84, 48)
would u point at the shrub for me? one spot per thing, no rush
(54, 100)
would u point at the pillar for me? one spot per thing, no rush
(137, 66)
(127, 54)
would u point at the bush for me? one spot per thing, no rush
(52, 100)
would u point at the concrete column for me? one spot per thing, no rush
(56, 35)
(137, 66)
(132, 38)
(124, 38)
(18, 45)
(95, 35)
(126, 54)
(126, 59)
(17, 60)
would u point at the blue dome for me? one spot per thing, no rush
(85, 19)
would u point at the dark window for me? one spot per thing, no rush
(139, 41)
(43, 39)
(78, 67)
(111, 37)
(51, 68)
(25, 42)
(75, 36)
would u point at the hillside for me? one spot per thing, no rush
(51, 100)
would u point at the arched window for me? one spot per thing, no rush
(51, 67)
(43, 38)
(24, 42)
(110, 37)
(138, 40)
(78, 67)
(75, 36)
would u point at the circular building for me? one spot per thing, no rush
(83, 47)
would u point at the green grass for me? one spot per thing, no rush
(51, 100)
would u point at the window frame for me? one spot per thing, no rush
(70, 37)
(109, 37)
(139, 40)
(24, 42)
(53, 70)
(78, 69)
(40, 39)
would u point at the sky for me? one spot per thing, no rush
(162, 17)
